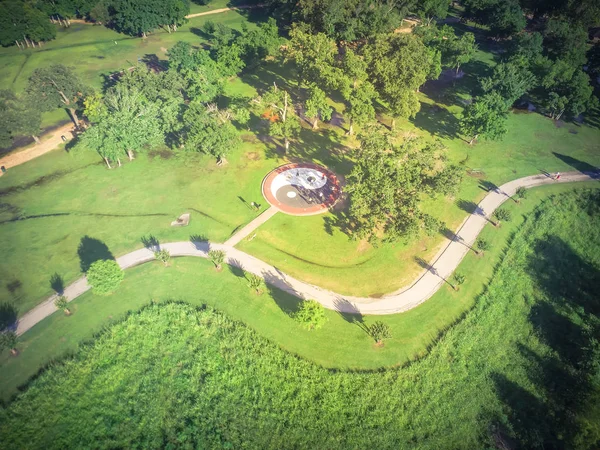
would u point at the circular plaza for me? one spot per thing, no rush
(301, 189)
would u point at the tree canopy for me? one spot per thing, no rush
(387, 183)
(20, 20)
(485, 117)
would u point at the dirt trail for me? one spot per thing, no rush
(50, 141)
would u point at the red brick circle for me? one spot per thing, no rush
(334, 191)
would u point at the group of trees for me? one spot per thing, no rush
(27, 22)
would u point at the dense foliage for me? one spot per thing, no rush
(522, 368)
(104, 276)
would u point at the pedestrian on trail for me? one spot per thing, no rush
(557, 176)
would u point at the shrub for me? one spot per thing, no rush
(311, 314)
(8, 339)
(255, 283)
(104, 276)
(217, 257)
(380, 331)
(163, 256)
(503, 215)
(521, 192)
(482, 244)
(62, 304)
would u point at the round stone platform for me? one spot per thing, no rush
(301, 189)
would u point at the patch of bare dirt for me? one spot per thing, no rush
(363, 246)
(253, 156)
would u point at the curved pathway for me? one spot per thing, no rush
(442, 266)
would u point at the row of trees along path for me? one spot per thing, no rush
(439, 270)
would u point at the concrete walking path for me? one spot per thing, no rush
(245, 231)
(442, 266)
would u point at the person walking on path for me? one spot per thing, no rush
(557, 176)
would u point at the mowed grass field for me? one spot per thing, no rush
(339, 344)
(521, 367)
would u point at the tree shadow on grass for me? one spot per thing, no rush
(8, 315)
(428, 267)
(91, 250)
(437, 120)
(151, 243)
(284, 294)
(565, 319)
(236, 268)
(200, 242)
(350, 313)
(577, 164)
(57, 283)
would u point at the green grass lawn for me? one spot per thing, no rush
(521, 367)
(339, 344)
(51, 203)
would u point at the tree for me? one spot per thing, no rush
(125, 122)
(317, 106)
(511, 80)
(380, 331)
(100, 13)
(566, 41)
(62, 303)
(459, 51)
(139, 17)
(349, 20)
(504, 17)
(255, 283)
(54, 87)
(459, 279)
(208, 129)
(521, 193)
(23, 24)
(163, 255)
(429, 9)
(398, 65)
(359, 93)
(284, 122)
(8, 339)
(229, 59)
(18, 117)
(311, 314)
(217, 257)
(486, 117)
(104, 276)
(259, 43)
(314, 54)
(387, 184)
(525, 48)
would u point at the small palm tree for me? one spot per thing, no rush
(163, 256)
(482, 245)
(8, 339)
(62, 304)
(502, 214)
(255, 283)
(459, 279)
(217, 257)
(380, 331)
(521, 194)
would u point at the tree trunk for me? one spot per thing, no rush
(26, 41)
(284, 107)
(18, 45)
(351, 129)
(287, 145)
(14, 351)
(174, 27)
(107, 163)
(119, 161)
(169, 28)
(67, 312)
(74, 116)
(473, 139)
(393, 123)
(315, 124)
(143, 34)
(36, 139)
(130, 154)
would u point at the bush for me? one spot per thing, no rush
(380, 331)
(521, 192)
(311, 314)
(503, 215)
(62, 304)
(255, 283)
(482, 244)
(104, 276)
(217, 257)
(163, 256)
